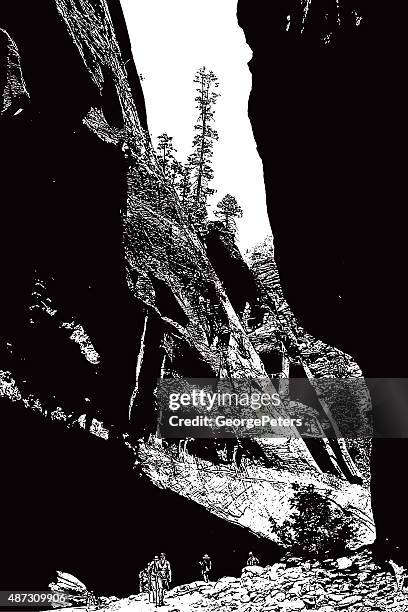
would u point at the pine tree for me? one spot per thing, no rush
(166, 153)
(228, 210)
(176, 172)
(184, 187)
(205, 135)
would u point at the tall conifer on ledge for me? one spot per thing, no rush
(228, 210)
(200, 159)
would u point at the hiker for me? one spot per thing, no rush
(159, 571)
(252, 560)
(155, 582)
(165, 571)
(205, 564)
(144, 580)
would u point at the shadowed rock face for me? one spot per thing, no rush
(63, 191)
(231, 269)
(327, 108)
(326, 119)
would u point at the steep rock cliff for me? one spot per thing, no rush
(328, 113)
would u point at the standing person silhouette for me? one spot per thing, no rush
(165, 571)
(206, 566)
(252, 560)
(155, 582)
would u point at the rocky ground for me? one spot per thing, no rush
(354, 584)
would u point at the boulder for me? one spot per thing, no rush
(295, 604)
(349, 601)
(344, 563)
(253, 569)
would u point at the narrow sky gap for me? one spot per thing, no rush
(171, 39)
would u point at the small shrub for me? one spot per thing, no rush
(317, 527)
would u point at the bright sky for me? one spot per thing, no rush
(171, 39)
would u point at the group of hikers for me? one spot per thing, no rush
(155, 579)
